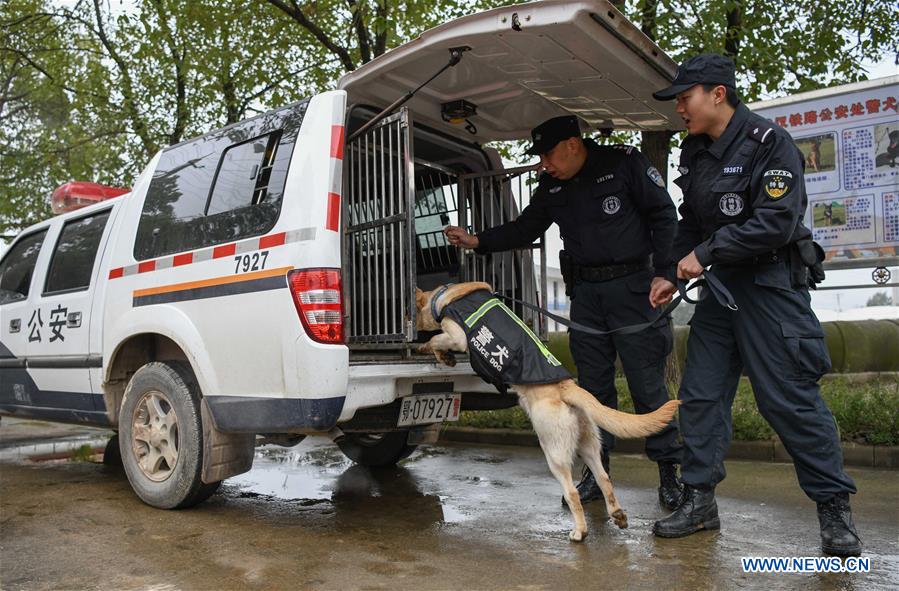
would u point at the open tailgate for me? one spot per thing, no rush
(528, 63)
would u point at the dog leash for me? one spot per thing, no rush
(721, 293)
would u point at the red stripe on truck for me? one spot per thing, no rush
(116, 273)
(333, 222)
(273, 240)
(183, 259)
(337, 142)
(146, 266)
(224, 251)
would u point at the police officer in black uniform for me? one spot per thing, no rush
(744, 200)
(617, 222)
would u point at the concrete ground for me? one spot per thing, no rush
(451, 517)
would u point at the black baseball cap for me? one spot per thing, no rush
(708, 68)
(551, 132)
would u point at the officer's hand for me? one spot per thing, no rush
(689, 267)
(459, 237)
(661, 291)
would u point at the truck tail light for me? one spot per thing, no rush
(318, 296)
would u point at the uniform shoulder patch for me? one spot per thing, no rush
(777, 183)
(655, 176)
(761, 133)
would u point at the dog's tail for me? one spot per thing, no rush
(620, 424)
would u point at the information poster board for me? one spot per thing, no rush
(849, 137)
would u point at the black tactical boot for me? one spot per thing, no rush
(671, 490)
(697, 511)
(838, 535)
(587, 489)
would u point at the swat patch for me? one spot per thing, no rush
(730, 204)
(611, 205)
(777, 183)
(655, 176)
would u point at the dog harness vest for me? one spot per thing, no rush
(502, 349)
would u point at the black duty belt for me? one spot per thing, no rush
(780, 255)
(609, 272)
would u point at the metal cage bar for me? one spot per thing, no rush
(491, 198)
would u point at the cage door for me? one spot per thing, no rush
(379, 262)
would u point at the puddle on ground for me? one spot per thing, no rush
(316, 474)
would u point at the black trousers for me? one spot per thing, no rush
(779, 342)
(608, 305)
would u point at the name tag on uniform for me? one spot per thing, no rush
(732, 170)
(604, 178)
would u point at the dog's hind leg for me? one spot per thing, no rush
(590, 450)
(556, 428)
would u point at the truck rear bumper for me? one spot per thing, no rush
(250, 414)
(379, 384)
(370, 386)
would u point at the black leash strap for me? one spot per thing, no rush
(714, 285)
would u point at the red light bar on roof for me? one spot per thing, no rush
(76, 194)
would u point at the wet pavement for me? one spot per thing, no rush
(450, 517)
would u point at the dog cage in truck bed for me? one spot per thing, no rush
(395, 209)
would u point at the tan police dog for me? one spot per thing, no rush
(564, 415)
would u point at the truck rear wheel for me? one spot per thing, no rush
(376, 449)
(161, 436)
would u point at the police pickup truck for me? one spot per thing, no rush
(259, 280)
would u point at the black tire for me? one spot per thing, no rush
(376, 450)
(161, 436)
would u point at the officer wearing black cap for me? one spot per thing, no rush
(617, 222)
(744, 200)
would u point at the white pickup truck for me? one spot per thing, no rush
(259, 280)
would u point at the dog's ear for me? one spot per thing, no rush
(420, 298)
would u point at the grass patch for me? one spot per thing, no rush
(84, 453)
(865, 413)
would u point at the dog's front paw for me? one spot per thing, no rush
(447, 358)
(620, 519)
(577, 536)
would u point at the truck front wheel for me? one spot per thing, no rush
(376, 449)
(161, 436)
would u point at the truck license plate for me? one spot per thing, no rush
(429, 408)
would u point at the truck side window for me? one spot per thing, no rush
(243, 174)
(75, 253)
(17, 267)
(221, 187)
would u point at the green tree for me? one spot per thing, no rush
(880, 299)
(92, 90)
